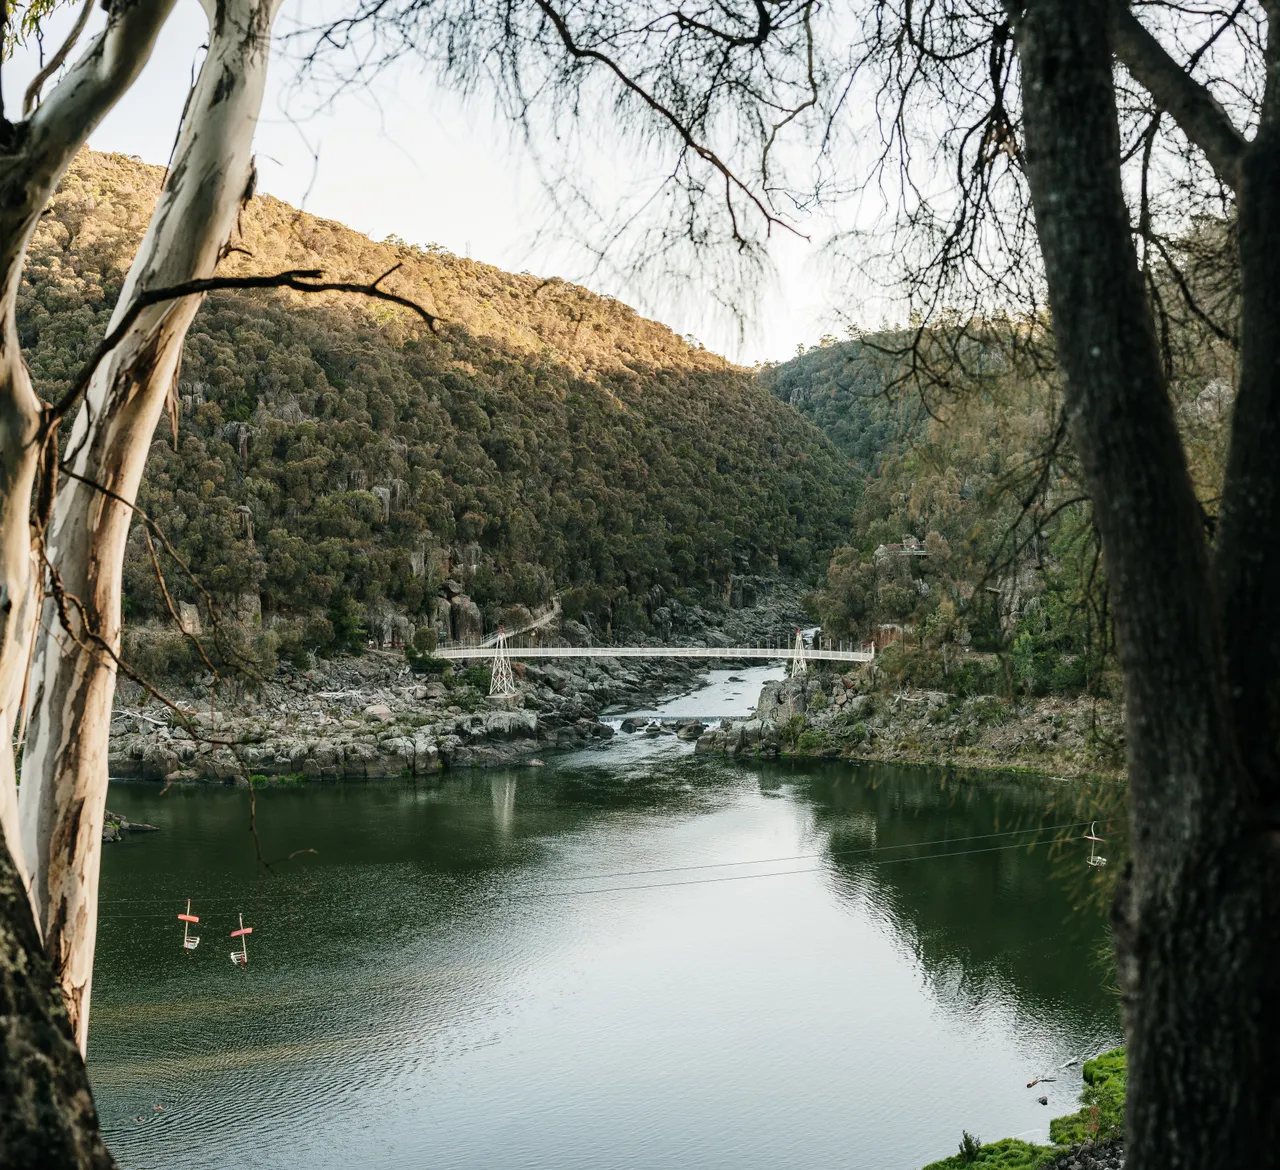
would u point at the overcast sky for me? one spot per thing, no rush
(409, 160)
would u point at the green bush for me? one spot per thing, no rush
(983, 676)
(1113, 1065)
(792, 729)
(346, 616)
(991, 711)
(1006, 1154)
(1100, 1117)
(161, 656)
(420, 653)
(812, 741)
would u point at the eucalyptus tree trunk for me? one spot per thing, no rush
(73, 674)
(33, 155)
(1198, 915)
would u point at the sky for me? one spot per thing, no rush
(406, 158)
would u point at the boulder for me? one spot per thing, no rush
(711, 741)
(380, 712)
(516, 724)
(158, 760)
(780, 700)
(468, 622)
(575, 633)
(690, 730)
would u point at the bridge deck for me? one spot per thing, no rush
(737, 653)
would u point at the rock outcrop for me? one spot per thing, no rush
(371, 716)
(833, 716)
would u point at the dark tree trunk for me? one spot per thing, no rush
(47, 1116)
(1249, 530)
(1197, 915)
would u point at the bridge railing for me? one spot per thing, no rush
(452, 651)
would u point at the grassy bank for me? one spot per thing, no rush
(1100, 1118)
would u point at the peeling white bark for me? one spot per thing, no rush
(72, 681)
(31, 164)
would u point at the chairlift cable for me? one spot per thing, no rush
(689, 868)
(741, 877)
(828, 853)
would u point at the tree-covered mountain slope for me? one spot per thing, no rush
(335, 460)
(972, 531)
(968, 534)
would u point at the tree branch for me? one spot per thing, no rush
(1189, 103)
(299, 279)
(731, 180)
(32, 95)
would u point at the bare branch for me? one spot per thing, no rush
(683, 132)
(1197, 113)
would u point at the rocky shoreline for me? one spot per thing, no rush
(371, 717)
(831, 716)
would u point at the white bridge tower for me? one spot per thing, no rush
(799, 658)
(502, 684)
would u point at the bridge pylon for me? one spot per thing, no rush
(502, 683)
(799, 657)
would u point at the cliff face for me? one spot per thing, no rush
(334, 464)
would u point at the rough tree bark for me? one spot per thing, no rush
(33, 156)
(1196, 921)
(47, 1115)
(73, 674)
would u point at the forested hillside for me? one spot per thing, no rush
(972, 530)
(334, 459)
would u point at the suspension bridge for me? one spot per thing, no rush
(499, 651)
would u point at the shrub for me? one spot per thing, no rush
(792, 729)
(1006, 1154)
(420, 653)
(812, 741)
(990, 711)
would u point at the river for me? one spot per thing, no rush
(632, 957)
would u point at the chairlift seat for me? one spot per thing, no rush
(1093, 859)
(189, 940)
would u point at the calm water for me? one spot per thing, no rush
(780, 971)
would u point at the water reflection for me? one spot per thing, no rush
(661, 959)
(503, 789)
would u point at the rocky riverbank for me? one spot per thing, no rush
(371, 715)
(830, 716)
